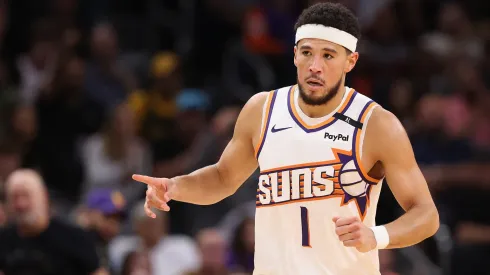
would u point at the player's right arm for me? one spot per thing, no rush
(215, 182)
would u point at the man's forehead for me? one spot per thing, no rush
(24, 181)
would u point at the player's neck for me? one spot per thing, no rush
(324, 109)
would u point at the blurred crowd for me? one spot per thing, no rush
(93, 91)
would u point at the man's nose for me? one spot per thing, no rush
(316, 65)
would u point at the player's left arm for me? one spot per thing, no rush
(386, 141)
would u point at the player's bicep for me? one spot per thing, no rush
(403, 175)
(238, 160)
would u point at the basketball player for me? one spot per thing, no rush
(323, 150)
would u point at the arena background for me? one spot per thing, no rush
(93, 91)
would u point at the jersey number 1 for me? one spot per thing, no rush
(305, 227)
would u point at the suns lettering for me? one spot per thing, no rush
(289, 185)
(328, 186)
(285, 196)
(296, 175)
(264, 183)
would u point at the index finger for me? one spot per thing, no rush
(146, 180)
(345, 221)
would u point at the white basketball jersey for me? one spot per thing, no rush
(311, 172)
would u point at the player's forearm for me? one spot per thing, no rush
(417, 224)
(204, 186)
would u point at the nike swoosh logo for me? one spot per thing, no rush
(274, 130)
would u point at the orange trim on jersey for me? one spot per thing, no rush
(302, 200)
(335, 161)
(321, 124)
(264, 121)
(358, 145)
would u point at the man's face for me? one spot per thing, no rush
(321, 66)
(24, 202)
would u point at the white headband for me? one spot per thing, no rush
(327, 33)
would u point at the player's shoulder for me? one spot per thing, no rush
(258, 100)
(385, 122)
(384, 134)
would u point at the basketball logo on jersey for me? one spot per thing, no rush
(337, 178)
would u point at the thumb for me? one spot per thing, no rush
(335, 219)
(168, 196)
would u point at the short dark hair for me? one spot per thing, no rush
(330, 15)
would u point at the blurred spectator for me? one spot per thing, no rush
(192, 106)
(430, 142)
(22, 128)
(107, 81)
(36, 243)
(241, 257)
(66, 115)
(112, 155)
(384, 45)
(213, 252)
(383, 51)
(10, 160)
(156, 108)
(480, 132)
(234, 218)
(206, 150)
(101, 215)
(264, 30)
(455, 35)
(37, 66)
(402, 99)
(8, 93)
(168, 254)
(224, 18)
(136, 263)
(387, 262)
(3, 214)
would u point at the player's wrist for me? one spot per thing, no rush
(381, 235)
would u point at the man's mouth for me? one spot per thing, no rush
(313, 82)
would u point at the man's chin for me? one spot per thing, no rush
(317, 90)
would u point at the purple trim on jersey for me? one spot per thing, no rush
(354, 141)
(349, 170)
(321, 127)
(274, 95)
(350, 184)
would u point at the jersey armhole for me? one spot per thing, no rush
(266, 114)
(364, 127)
(359, 135)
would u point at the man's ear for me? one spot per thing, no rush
(351, 61)
(295, 51)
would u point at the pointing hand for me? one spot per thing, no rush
(160, 191)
